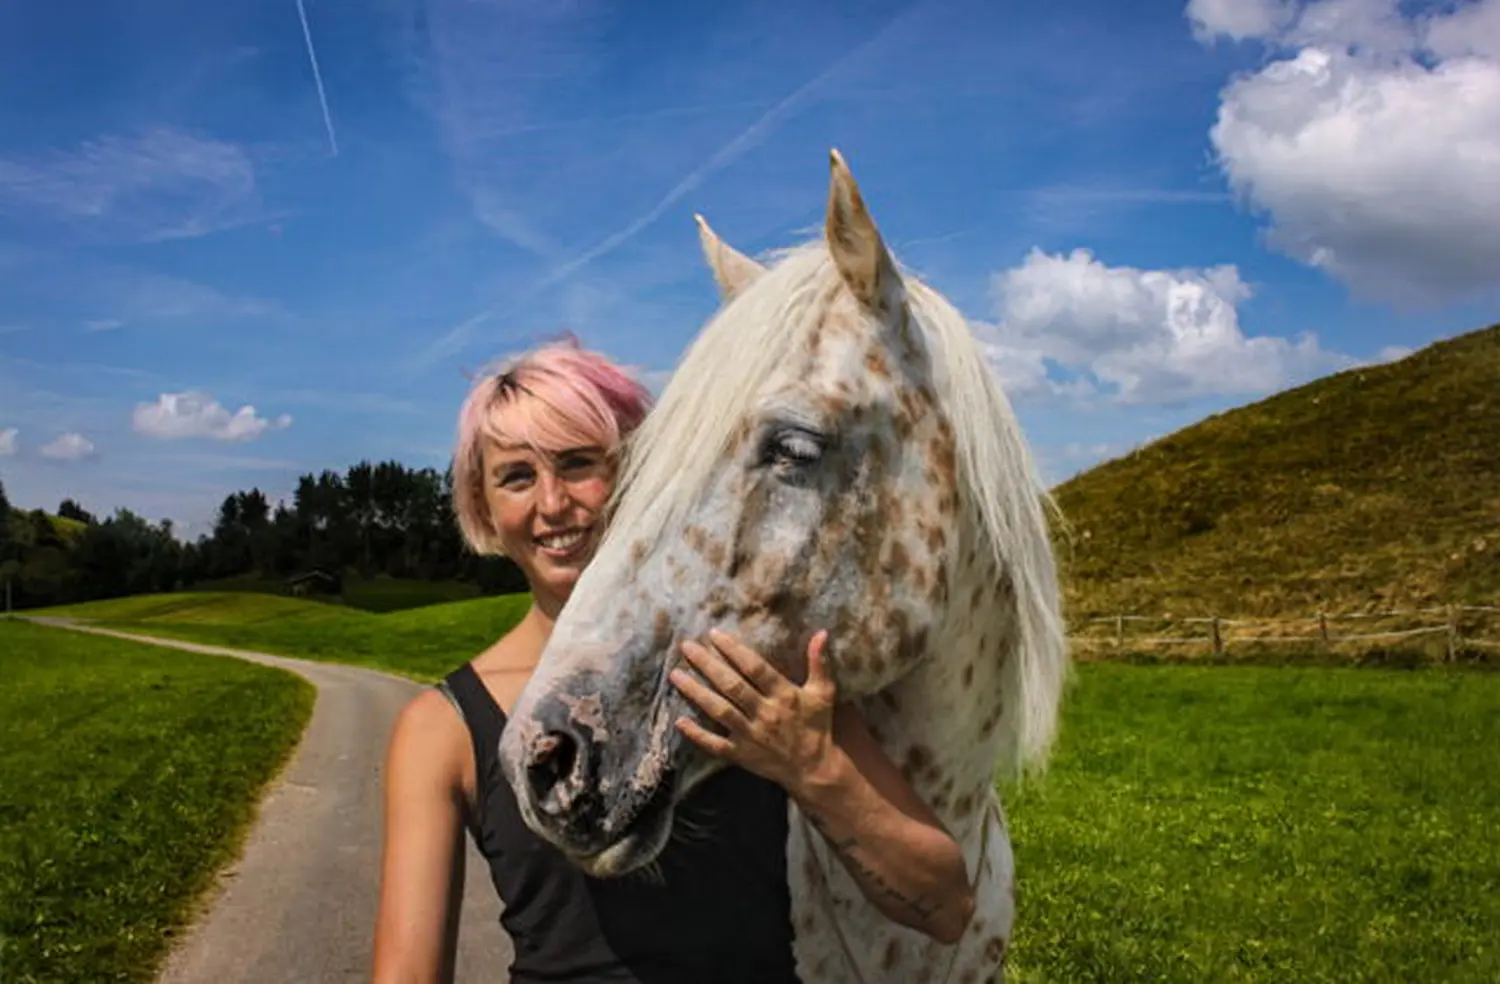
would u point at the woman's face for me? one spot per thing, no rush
(547, 510)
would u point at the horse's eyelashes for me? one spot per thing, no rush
(793, 446)
(802, 448)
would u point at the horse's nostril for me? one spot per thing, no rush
(551, 763)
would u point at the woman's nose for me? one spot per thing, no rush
(552, 495)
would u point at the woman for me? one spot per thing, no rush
(537, 456)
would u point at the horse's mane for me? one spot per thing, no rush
(1002, 481)
(674, 452)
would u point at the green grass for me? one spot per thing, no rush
(128, 775)
(19, 520)
(377, 594)
(1374, 488)
(391, 594)
(421, 643)
(1224, 823)
(1264, 824)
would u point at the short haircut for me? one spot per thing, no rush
(552, 398)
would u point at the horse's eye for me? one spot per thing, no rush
(794, 446)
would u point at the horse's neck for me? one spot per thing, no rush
(940, 724)
(932, 723)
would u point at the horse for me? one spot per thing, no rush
(832, 451)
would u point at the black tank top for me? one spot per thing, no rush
(719, 913)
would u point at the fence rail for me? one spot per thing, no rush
(1446, 620)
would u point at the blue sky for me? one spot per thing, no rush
(213, 277)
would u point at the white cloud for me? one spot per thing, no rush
(1470, 31)
(160, 183)
(1136, 336)
(1237, 20)
(103, 324)
(1372, 27)
(69, 447)
(1372, 143)
(196, 414)
(9, 443)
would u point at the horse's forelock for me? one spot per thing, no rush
(672, 457)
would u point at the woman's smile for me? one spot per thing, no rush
(563, 544)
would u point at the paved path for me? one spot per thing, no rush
(298, 907)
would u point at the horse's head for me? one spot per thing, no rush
(801, 471)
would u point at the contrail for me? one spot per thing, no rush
(457, 336)
(312, 56)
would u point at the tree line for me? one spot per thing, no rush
(370, 519)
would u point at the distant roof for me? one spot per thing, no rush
(309, 575)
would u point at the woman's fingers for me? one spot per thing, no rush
(712, 703)
(766, 677)
(820, 682)
(722, 675)
(716, 745)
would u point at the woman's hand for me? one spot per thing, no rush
(828, 761)
(775, 728)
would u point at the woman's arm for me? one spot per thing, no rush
(422, 871)
(822, 753)
(906, 862)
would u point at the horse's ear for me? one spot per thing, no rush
(732, 269)
(858, 251)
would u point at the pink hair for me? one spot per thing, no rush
(553, 398)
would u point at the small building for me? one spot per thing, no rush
(314, 582)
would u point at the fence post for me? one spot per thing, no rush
(1452, 633)
(1454, 640)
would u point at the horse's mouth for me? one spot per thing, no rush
(640, 839)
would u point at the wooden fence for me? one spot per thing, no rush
(1217, 633)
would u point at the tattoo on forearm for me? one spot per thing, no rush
(848, 847)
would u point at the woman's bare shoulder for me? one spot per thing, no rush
(429, 714)
(430, 729)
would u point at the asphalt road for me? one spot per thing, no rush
(298, 907)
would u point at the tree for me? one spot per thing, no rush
(7, 545)
(10, 569)
(359, 484)
(384, 518)
(43, 531)
(229, 550)
(72, 510)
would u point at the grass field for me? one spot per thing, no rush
(422, 643)
(1223, 823)
(127, 776)
(376, 594)
(1264, 824)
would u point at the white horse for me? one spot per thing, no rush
(833, 451)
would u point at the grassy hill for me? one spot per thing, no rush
(380, 593)
(21, 523)
(1373, 488)
(422, 643)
